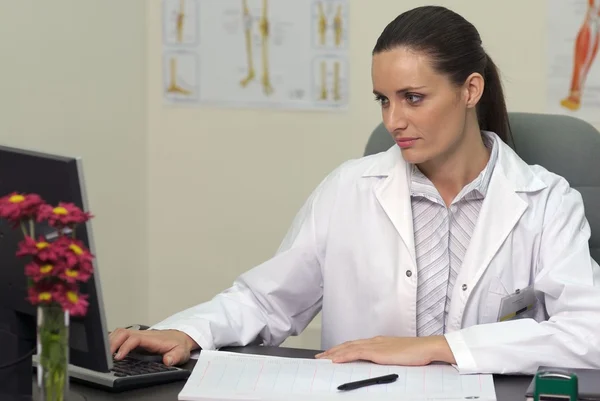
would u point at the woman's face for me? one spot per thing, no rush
(423, 111)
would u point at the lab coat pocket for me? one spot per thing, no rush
(521, 304)
(496, 291)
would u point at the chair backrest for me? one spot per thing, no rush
(565, 145)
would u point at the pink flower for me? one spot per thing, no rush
(42, 250)
(44, 292)
(74, 253)
(54, 269)
(73, 301)
(17, 207)
(65, 214)
(73, 275)
(39, 271)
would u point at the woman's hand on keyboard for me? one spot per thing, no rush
(175, 346)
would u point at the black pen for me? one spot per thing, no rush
(368, 382)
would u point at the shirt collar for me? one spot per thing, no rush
(476, 189)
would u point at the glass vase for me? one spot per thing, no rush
(53, 353)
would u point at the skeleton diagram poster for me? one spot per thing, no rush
(574, 63)
(256, 53)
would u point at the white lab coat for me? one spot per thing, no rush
(350, 248)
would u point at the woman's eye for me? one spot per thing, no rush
(413, 98)
(382, 100)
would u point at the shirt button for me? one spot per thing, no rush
(464, 287)
(408, 273)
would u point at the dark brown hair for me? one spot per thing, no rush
(455, 48)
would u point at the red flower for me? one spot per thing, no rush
(72, 275)
(38, 271)
(54, 268)
(65, 214)
(42, 250)
(44, 293)
(16, 207)
(74, 253)
(73, 301)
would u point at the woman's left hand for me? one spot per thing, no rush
(405, 351)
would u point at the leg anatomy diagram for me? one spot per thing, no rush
(336, 81)
(173, 86)
(180, 20)
(323, 25)
(586, 48)
(264, 33)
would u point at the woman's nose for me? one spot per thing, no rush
(395, 118)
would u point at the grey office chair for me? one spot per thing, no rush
(565, 145)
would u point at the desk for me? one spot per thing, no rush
(508, 388)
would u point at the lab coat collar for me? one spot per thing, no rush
(519, 175)
(502, 209)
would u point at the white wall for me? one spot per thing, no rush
(73, 82)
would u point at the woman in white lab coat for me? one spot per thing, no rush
(447, 247)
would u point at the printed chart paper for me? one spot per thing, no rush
(256, 53)
(222, 375)
(574, 65)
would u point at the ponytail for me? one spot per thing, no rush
(491, 110)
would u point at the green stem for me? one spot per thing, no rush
(24, 229)
(32, 228)
(53, 337)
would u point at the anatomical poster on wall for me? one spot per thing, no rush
(287, 54)
(574, 64)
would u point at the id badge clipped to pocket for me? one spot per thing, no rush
(516, 306)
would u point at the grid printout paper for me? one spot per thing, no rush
(220, 376)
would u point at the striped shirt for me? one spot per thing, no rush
(442, 236)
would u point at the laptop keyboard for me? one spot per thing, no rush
(129, 374)
(135, 367)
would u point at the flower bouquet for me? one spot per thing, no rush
(53, 269)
